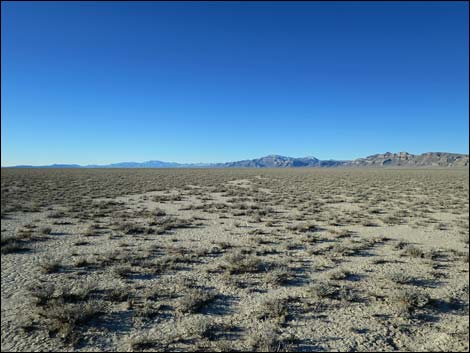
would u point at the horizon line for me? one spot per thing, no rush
(209, 163)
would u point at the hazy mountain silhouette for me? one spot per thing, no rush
(388, 159)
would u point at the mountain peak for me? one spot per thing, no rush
(274, 156)
(387, 159)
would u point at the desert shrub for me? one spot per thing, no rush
(392, 220)
(195, 299)
(75, 293)
(441, 226)
(65, 320)
(400, 245)
(57, 214)
(119, 293)
(413, 251)
(400, 278)
(50, 265)
(12, 246)
(272, 308)
(91, 231)
(304, 227)
(266, 339)
(369, 224)
(342, 233)
(278, 276)
(45, 230)
(142, 342)
(147, 310)
(17, 242)
(42, 293)
(159, 212)
(167, 223)
(85, 261)
(465, 238)
(340, 274)
(131, 228)
(199, 326)
(321, 290)
(239, 263)
(407, 301)
(122, 271)
(68, 293)
(224, 245)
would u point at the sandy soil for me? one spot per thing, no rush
(285, 279)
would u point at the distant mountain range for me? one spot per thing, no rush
(388, 159)
(404, 159)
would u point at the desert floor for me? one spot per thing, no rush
(235, 260)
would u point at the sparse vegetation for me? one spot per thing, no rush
(50, 265)
(235, 260)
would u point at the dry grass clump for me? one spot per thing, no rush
(392, 220)
(166, 198)
(441, 226)
(275, 309)
(45, 230)
(465, 238)
(408, 301)
(199, 326)
(50, 265)
(122, 271)
(195, 299)
(131, 228)
(76, 292)
(342, 233)
(368, 223)
(42, 293)
(57, 214)
(350, 248)
(375, 210)
(400, 245)
(321, 290)
(119, 293)
(266, 339)
(12, 244)
(91, 231)
(65, 311)
(65, 320)
(47, 292)
(310, 239)
(304, 227)
(340, 274)
(158, 212)
(144, 342)
(168, 223)
(400, 278)
(413, 251)
(223, 245)
(146, 310)
(85, 262)
(279, 275)
(239, 263)
(19, 241)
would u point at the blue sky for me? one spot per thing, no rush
(210, 82)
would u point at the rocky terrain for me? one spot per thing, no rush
(404, 159)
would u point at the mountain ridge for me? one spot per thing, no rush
(387, 159)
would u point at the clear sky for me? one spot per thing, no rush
(211, 82)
